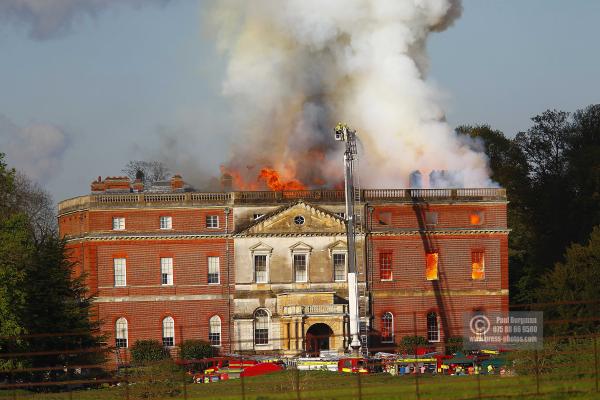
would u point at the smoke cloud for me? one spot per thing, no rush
(296, 68)
(46, 19)
(36, 149)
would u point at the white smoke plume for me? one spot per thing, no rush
(47, 19)
(36, 149)
(297, 67)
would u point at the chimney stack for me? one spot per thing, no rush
(176, 183)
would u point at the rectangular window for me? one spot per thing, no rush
(260, 268)
(431, 218)
(166, 271)
(300, 271)
(213, 269)
(477, 265)
(431, 266)
(341, 215)
(476, 218)
(339, 267)
(120, 265)
(166, 223)
(118, 223)
(385, 218)
(212, 221)
(385, 266)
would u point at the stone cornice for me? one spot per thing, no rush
(436, 232)
(142, 236)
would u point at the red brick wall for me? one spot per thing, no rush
(449, 216)
(454, 263)
(148, 220)
(144, 319)
(190, 267)
(408, 309)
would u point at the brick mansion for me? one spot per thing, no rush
(265, 271)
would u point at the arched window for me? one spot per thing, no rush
(261, 326)
(168, 332)
(433, 327)
(387, 327)
(214, 332)
(121, 332)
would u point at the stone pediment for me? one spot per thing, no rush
(297, 218)
(339, 245)
(260, 247)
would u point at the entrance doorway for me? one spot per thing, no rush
(317, 339)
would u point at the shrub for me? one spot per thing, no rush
(194, 349)
(454, 345)
(155, 380)
(146, 351)
(408, 344)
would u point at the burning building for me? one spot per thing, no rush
(265, 271)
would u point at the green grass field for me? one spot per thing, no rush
(330, 386)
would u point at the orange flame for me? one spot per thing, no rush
(274, 181)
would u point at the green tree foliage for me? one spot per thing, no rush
(552, 175)
(509, 168)
(195, 349)
(16, 251)
(576, 282)
(58, 302)
(42, 306)
(147, 351)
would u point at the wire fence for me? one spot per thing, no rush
(566, 366)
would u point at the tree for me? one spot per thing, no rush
(57, 303)
(510, 168)
(574, 282)
(16, 251)
(38, 292)
(148, 171)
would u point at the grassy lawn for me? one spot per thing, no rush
(330, 386)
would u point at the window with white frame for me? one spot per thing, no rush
(261, 326)
(261, 274)
(121, 333)
(168, 335)
(166, 270)
(433, 327)
(387, 327)
(118, 223)
(166, 222)
(339, 267)
(214, 330)
(212, 221)
(120, 266)
(301, 267)
(213, 269)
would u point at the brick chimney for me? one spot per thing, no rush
(176, 183)
(138, 185)
(98, 186)
(117, 184)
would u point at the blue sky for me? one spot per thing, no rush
(144, 82)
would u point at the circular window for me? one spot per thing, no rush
(299, 220)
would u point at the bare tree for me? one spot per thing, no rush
(37, 204)
(148, 171)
